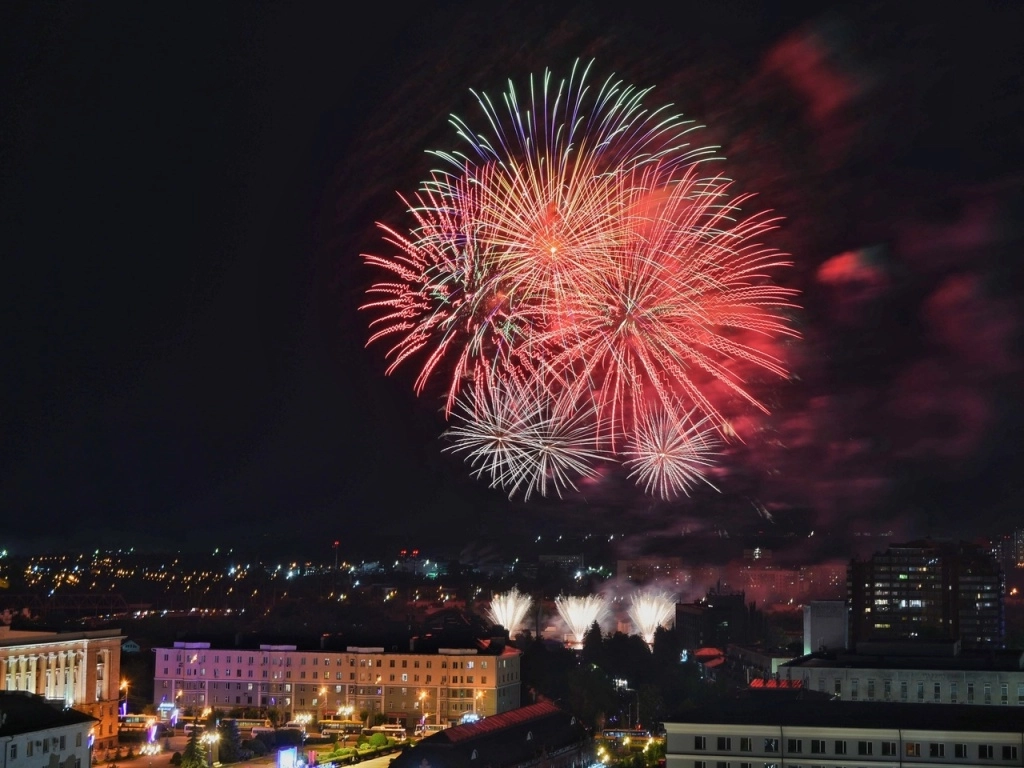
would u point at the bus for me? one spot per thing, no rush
(331, 727)
(129, 723)
(637, 737)
(246, 724)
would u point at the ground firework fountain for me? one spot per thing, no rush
(580, 613)
(650, 610)
(509, 609)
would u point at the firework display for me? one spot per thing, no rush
(508, 609)
(580, 613)
(580, 291)
(649, 610)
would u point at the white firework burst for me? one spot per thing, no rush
(524, 439)
(667, 455)
(650, 610)
(580, 613)
(508, 609)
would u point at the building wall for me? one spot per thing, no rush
(62, 747)
(453, 682)
(82, 669)
(913, 685)
(703, 745)
(826, 624)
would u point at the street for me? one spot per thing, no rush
(177, 744)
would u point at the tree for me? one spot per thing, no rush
(230, 742)
(593, 646)
(194, 755)
(591, 694)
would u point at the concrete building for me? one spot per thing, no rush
(928, 590)
(75, 669)
(826, 626)
(934, 673)
(439, 686)
(768, 729)
(35, 732)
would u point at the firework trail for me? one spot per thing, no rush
(580, 613)
(650, 610)
(508, 609)
(580, 290)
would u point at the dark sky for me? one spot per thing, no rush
(185, 191)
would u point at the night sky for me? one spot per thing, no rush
(185, 192)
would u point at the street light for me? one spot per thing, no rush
(479, 695)
(124, 706)
(210, 739)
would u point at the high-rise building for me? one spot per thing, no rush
(928, 590)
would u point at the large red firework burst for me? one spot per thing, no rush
(576, 253)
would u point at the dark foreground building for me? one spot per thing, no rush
(536, 735)
(768, 730)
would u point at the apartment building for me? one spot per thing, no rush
(439, 686)
(928, 590)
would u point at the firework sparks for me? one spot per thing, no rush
(524, 440)
(650, 610)
(668, 456)
(582, 290)
(580, 613)
(508, 609)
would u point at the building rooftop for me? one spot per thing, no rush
(505, 739)
(770, 710)
(12, 637)
(980, 660)
(23, 712)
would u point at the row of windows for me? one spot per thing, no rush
(467, 679)
(936, 691)
(863, 748)
(287, 662)
(45, 746)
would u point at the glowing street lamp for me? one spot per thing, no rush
(210, 739)
(124, 705)
(479, 695)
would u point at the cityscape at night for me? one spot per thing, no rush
(511, 385)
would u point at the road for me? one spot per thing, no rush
(177, 744)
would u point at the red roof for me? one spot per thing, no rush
(497, 722)
(701, 652)
(773, 683)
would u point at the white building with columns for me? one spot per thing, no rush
(80, 670)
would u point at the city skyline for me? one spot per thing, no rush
(186, 206)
